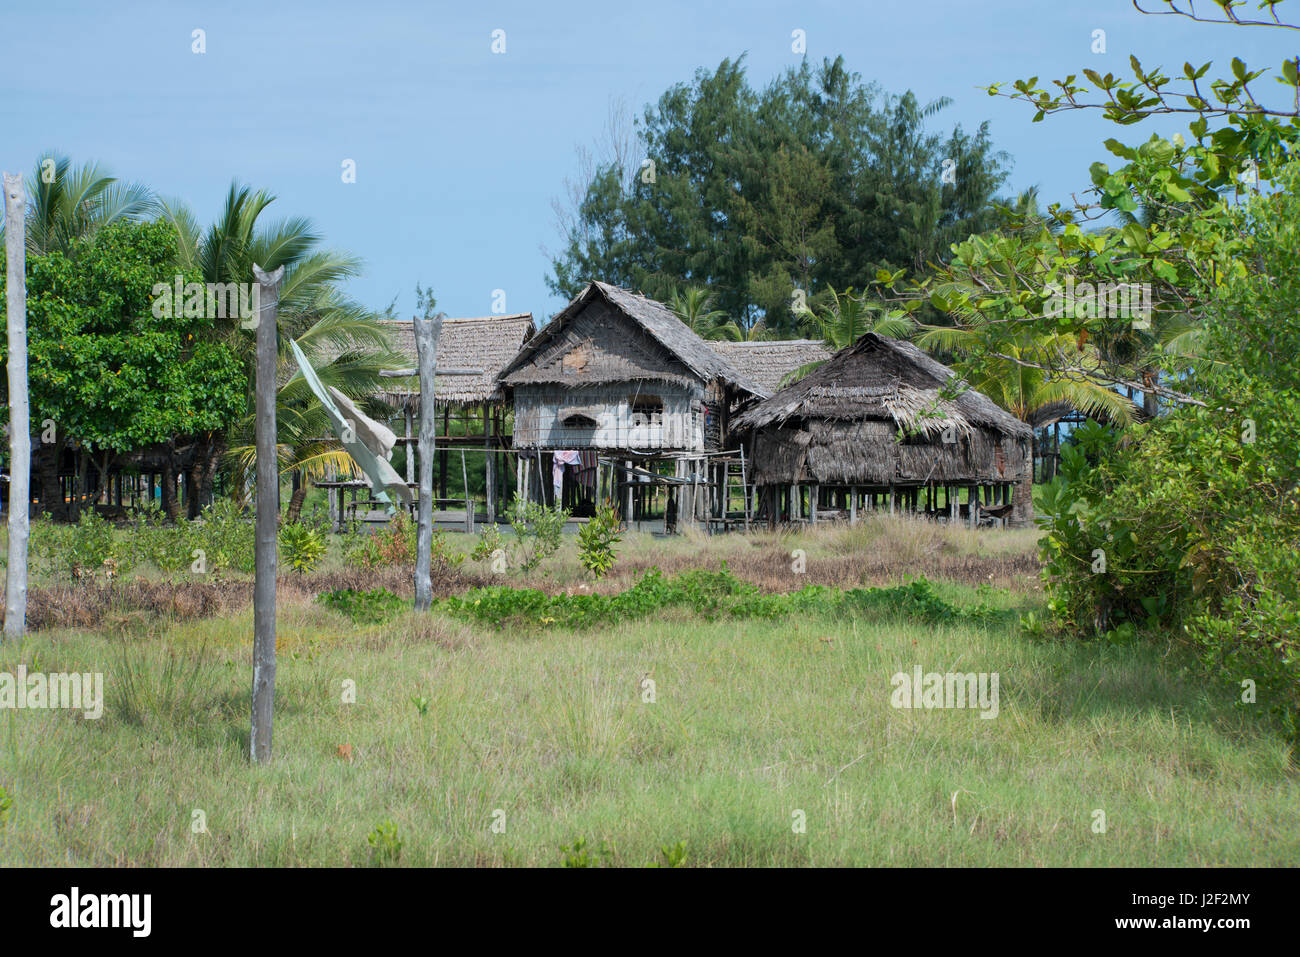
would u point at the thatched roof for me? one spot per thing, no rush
(768, 362)
(883, 379)
(670, 351)
(484, 342)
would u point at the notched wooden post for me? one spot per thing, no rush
(20, 439)
(427, 332)
(268, 513)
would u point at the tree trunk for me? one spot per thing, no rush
(171, 507)
(47, 465)
(1150, 402)
(298, 497)
(211, 459)
(194, 479)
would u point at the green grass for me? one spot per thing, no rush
(753, 721)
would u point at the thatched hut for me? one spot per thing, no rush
(882, 423)
(476, 402)
(482, 343)
(619, 376)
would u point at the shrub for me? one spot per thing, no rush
(490, 541)
(710, 594)
(385, 845)
(301, 548)
(596, 541)
(373, 606)
(1192, 523)
(537, 531)
(228, 536)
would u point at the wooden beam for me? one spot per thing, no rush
(267, 521)
(20, 436)
(427, 332)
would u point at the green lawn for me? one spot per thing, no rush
(752, 722)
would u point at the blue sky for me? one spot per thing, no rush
(459, 151)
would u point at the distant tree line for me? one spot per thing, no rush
(771, 199)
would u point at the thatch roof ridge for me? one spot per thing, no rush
(879, 377)
(658, 321)
(768, 361)
(470, 342)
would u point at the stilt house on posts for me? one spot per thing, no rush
(617, 400)
(473, 428)
(881, 425)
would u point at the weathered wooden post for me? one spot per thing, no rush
(20, 439)
(268, 502)
(426, 350)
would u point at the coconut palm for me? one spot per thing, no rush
(1034, 396)
(849, 317)
(347, 343)
(695, 308)
(846, 320)
(67, 204)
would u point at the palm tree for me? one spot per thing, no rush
(695, 308)
(1033, 395)
(849, 317)
(67, 204)
(347, 343)
(846, 320)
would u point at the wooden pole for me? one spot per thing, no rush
(469, 502)
(20, 439)
(427, 332)
(409, 447)
(268, 480)
(489, 466)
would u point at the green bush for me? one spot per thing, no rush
(370, 607)
(709, 594)
(301, 548)
(537, 531)
(385, 845)
(1191, 524)
(596, 541)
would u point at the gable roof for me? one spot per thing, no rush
(655, 319)
(481, 342)
(769, 361)
(881, 378)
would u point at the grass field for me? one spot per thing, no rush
(756, 727)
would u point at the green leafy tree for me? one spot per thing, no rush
(815, 181)
(110, 374)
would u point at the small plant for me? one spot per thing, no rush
(490, 541)
(373, 606)
(385, 845)
(301, 548)
(92, 550)
(674, 855)
(578, 855)
(1032, 626)
(226, 536)
(6, 806)
(596, 541)
(421, 704)
(537, 531)
(395, 544)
